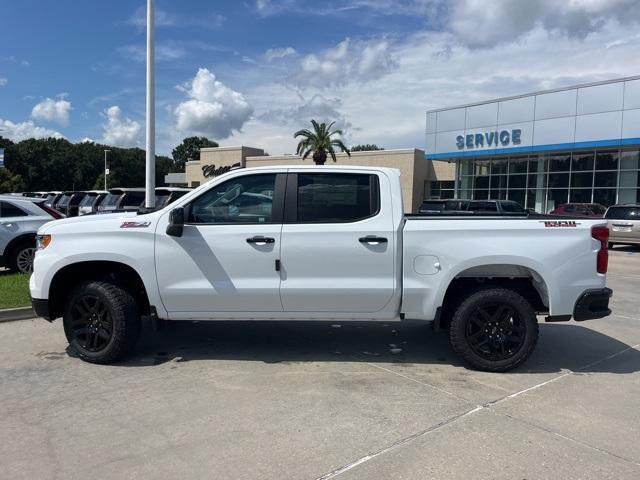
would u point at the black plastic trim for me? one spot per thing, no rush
(593, 303)
(557, 318)
(41, 308)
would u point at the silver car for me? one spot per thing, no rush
(20, 218)
(624, 224)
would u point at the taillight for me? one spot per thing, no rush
(54, 213)
(601, 233)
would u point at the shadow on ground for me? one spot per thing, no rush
(561, 346)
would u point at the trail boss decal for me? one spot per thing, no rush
(559, 223)
(135, 224)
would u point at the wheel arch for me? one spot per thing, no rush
(69, 276)
(523, 279)
(31, 236)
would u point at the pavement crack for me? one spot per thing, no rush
(399, 443)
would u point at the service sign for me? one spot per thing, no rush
(494, 138)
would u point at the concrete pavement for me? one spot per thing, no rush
(241, 400)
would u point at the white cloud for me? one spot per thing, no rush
(213, 109)
(3, 81)
(23, 130)
(53, 110)
(87, 140)
(276, 53)
(120, 131)
(347, 62)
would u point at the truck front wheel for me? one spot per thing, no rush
(494, 329)
(101, 322)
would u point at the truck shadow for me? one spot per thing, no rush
(561, 346)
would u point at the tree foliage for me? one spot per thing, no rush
(57, 164)
(9, 182)
(319, 142)
(365, 147)
(189, 149)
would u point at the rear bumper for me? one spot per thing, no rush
(592, 304)
(41, 308)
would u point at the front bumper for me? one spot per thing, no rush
(592, 304)
(41, 307)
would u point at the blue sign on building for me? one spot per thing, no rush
(488, 139)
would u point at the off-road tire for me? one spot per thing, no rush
(124, 315)
(466, 311)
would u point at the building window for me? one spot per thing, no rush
(439, 189)
(543, 181)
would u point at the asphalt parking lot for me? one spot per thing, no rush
(284, 400)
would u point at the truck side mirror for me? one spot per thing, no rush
(176, 222)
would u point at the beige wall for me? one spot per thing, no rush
(414, 169)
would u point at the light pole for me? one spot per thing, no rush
(106, 170)
(150, 170)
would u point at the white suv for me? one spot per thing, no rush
(20, 218)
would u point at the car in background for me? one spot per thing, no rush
(122, 199)
(91, 202)
(593, 210)
(69, 202)
(167, 195)
(624, 224)
(438, 206)
(52, 198)
(473, 207)
(20, 218)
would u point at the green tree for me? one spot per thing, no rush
(319, 142)
(10, 183)
(365, 147)
(189, 149)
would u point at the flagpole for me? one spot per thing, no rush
(150, 170)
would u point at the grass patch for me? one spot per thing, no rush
(14, 290)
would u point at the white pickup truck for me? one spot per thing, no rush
(325, 243)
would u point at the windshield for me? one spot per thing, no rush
(623, 213)
(87, 201)
(64, 200)
(111, 200)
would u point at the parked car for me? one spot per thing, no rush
(167, 195)
(318, 244)
(472, 207)
(51, 198)
(437, 206)
(69, 203)
(594, 210)
(91, 202)
(122, 199)
(624, 224)
(20, 218)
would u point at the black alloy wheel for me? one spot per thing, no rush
(495, 331)
(91, 323)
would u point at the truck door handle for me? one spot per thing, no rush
(372, 239)
(259, 239)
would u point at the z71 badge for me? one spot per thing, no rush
(135, 224)
(559, 223)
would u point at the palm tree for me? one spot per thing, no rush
(319, 142)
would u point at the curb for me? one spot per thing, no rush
(12, 314)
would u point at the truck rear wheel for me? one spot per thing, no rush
(101, 322)
(494, 329)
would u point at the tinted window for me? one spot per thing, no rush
(64, 200)
(87, 201)
(598, 209)
(111, 200)
(483, 207)
(432, 206)
(334, 198)
(246, 199)
(9, 210)
(512, 207)
(624, 213)
(133, 199)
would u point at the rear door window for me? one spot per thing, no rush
(336, 197)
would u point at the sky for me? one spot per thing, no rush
(252, 72)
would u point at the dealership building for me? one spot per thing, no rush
(575, 144)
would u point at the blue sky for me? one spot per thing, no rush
(252, 72)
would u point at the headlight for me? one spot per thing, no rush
(42, 241)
